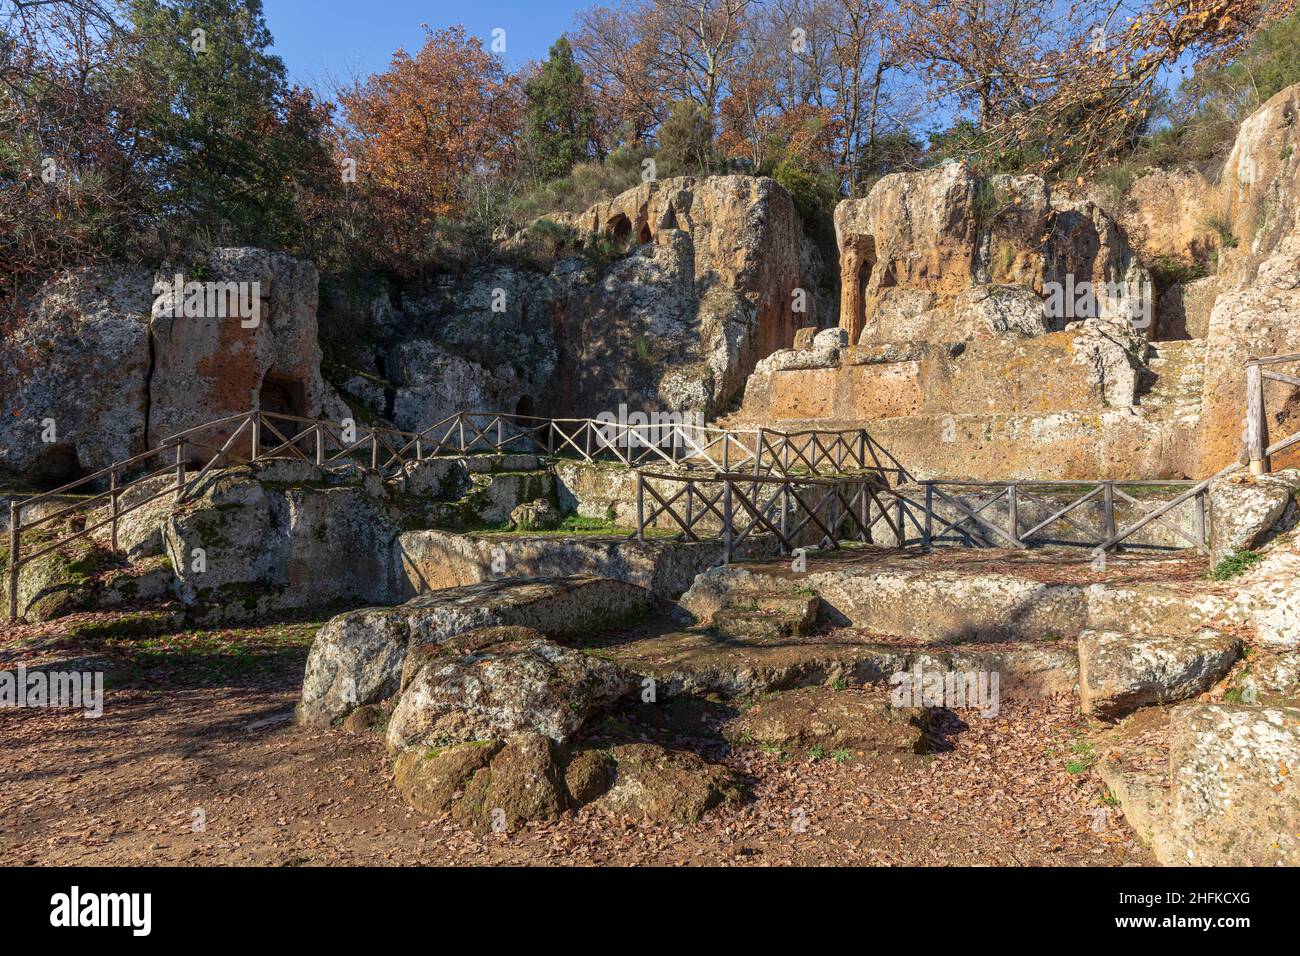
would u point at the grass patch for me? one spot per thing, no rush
(1240, 561)
(1084, 757)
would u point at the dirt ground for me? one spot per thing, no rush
(195, 761)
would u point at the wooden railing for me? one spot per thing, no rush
(992, 514)
(734, 507)
(675, 444)
(1256, 452)
(796, 512)
(134, 482)
(260, 435)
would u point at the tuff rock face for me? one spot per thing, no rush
(211, 366)
(1257, 309)
(741, 234)
(1165, 216)
(663, 300)
(102, 355)
(77, 362)
(925, 255)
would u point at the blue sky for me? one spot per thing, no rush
(319, 39)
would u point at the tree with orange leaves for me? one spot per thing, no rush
(419, 129)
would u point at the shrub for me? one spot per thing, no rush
(1220, 226)
(586, 185)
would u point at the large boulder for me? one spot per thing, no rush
(522, 784)
(58, 583)
(1269, 676)
(277, 535)
(74, 374)
(432, 778)
(1247, 512)
(498, 682)
(1118, 673)
(1268, 595)
(1235, 797)
(357, 657)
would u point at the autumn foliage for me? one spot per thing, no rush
(419, 129)
(118, 138)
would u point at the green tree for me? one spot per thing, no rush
(685, 141)
(559, 118)
(228, 144)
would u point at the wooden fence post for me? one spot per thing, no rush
(256, 436)
(1108, 502)
(928, 534)
(1013, 510)
(785, 509)
(112, 504)
(1256, 426)
(374, 449)
(640, 506)
(15, 510)
(834, 518)
(1201, 523)
(180, 470)
(726, 521)
(320, 444)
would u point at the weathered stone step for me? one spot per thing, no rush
(957, 598)
(704, 662)
(766, 614)
(431, 559)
